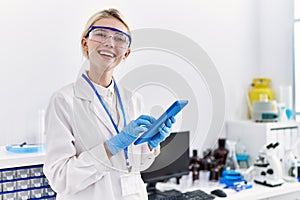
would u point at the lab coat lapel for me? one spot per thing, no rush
(100, 112)
(84, 91)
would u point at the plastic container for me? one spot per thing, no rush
(260, 91)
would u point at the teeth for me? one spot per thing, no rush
(106, 53)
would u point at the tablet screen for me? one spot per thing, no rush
(175, 108)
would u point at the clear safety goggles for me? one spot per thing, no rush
(103, 33)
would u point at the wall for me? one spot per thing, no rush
(276, 52)
(40, 49)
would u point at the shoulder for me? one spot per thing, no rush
(60, 105)
(64, 94)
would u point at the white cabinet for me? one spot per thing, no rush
(21, 177)
(255, 135)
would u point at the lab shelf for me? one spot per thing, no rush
(8, 159)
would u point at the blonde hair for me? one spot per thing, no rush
(111, 12)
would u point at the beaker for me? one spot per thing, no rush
(290, 168)
(231, 161)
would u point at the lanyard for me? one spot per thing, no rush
(109, 115)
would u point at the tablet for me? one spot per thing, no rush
(175, 108)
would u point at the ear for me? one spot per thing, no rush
(126, 54)
(84, 44)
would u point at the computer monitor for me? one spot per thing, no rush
(173, 161)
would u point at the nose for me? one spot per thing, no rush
(109, 42)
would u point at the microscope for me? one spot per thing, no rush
(268, 170)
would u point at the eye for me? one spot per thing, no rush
(100, 34)
(120, 38)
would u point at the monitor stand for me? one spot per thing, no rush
(157, 194)
(151, 189)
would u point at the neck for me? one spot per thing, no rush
(103, 79)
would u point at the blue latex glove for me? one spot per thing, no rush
(164, 132)
(129, 134)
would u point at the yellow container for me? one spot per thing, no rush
(260, 91)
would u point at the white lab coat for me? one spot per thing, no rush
(77, 165)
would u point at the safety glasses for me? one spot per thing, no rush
(102, 33)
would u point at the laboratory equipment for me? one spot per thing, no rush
(25, 148)
(260, 88)
(286, 97)
(290, 168)
(221, 152)
(265, 111)
(282, 112)
(255, 135)
(234, 180)
(242, 155)
(207, 162)
(268, 170)
(231, 161)
(195, 165)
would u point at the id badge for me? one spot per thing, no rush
(130, 184)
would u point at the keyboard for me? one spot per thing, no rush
(176, 195)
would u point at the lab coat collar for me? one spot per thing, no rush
(84, 91)
(104, 92)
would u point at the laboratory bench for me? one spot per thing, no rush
(21, 177)
(287, 191)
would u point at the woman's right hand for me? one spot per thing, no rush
(129, 134)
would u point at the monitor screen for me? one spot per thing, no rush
(173, 160)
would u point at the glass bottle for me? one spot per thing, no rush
(290, 169)
(195, 165)
(221, 152)
(231, 161)
(205, 166)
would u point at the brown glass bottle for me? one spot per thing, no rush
(221, 152)
(195, 165)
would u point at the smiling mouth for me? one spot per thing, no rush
(104, 53)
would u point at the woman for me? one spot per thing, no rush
(92, 123)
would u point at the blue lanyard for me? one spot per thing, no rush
(109, 115)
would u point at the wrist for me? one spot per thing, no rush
(149, 147)
(109, 154)
(152, 144)
(111, 147)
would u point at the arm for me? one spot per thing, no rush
(67, 171)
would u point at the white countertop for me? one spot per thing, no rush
(256, 192)
(263, 192)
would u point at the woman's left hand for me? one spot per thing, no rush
(164, 132)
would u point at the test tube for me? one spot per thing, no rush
(41, 130)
